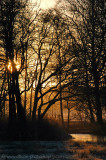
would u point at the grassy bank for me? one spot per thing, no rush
(87, 150)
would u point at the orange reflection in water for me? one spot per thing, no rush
(88, 138)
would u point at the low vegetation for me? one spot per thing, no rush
(40, 130)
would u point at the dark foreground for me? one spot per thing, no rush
(52, 150)
(51, 143)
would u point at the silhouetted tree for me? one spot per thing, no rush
(88, 20)
(52, 45)
(13, 43)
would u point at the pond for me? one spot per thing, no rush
(88, 138)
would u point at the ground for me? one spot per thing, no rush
(52, 150)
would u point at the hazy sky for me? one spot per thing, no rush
(46, 3)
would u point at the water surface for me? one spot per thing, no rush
(88, 138)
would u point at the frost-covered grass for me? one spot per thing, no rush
(52, 150)
(88, 151)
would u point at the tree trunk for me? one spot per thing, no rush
(88, 96)
(61, 106)
(94, 70)
(31, 102)
(39, 109)
(25, 98)
(12, 110)
(97, 99)
(90, 109)
(68, 115)
(20, 110)
(35, 104)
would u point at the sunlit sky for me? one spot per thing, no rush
(45, 4)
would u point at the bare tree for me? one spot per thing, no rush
(15, 32)
(88, 20)
(48, 51)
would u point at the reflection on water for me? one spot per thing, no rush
(88, 138)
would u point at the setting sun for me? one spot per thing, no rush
(10, 68)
